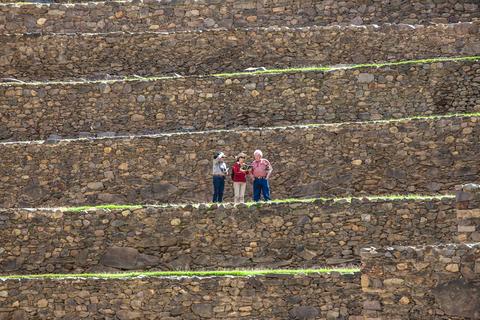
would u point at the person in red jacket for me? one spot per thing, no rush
(239, 179)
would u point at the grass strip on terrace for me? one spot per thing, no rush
(353, 66)
(105, 207)
(247, 73)
(213, 273)
(393, 197)
(392, 120)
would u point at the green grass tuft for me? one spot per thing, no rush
(103, 206)
(214, 273)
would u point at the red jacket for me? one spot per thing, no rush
(238, 176)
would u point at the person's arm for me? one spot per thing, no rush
(236, 168)
(242, 170)
(250, 174)
(269, 169)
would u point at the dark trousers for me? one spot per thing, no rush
(218, 187)
(261, 186)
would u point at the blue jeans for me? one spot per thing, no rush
(261, 186)
(218, 187)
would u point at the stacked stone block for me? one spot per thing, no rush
(53, 110)
(146, 15)
(428, 282)
(94, 56)
(290, 235)
(410, 156)
(421, 282)
(468, 213)
(272, 297)
(429, 155)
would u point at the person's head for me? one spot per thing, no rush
(241, 157)
(258, 154)
(219, 156)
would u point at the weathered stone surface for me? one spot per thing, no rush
(467, 228)
(182, 162)
(343, 98)
(127, 258)
(204, 310)
(145, 260)
(129, 315)
(307, 235)
(95, 185)
(365, 78)
(468, 216)
(19, 315)
(372, 305)
(458, 298)
(92, 56)
(161, 15)
(471, 187)
(304, 313)
(259, 297)
(435, 282)
(122, 258)
(34, 192)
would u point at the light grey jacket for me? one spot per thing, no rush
(219, 167)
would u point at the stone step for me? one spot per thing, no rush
(67, 56)
(279, 235)
(400, 156)
(421, 282)
(187, 15)
(325, 296)
(35, 111)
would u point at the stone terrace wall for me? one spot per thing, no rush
(468, 213)
(38, 57)
(422, 282)
(260, 297)
(31, 112)
(187, 15)
(419, 156)
(294, 235)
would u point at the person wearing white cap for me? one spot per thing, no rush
(261, 171)
(220, 170)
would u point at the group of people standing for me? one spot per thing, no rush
(258, 171)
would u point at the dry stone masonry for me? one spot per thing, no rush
(468, 213)
(415, 156)
(427, 282)
(261, 297)
(186, 15)
(43, 111)
(61, 56)
(423, 282)
(420, 258)
(290, 235)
